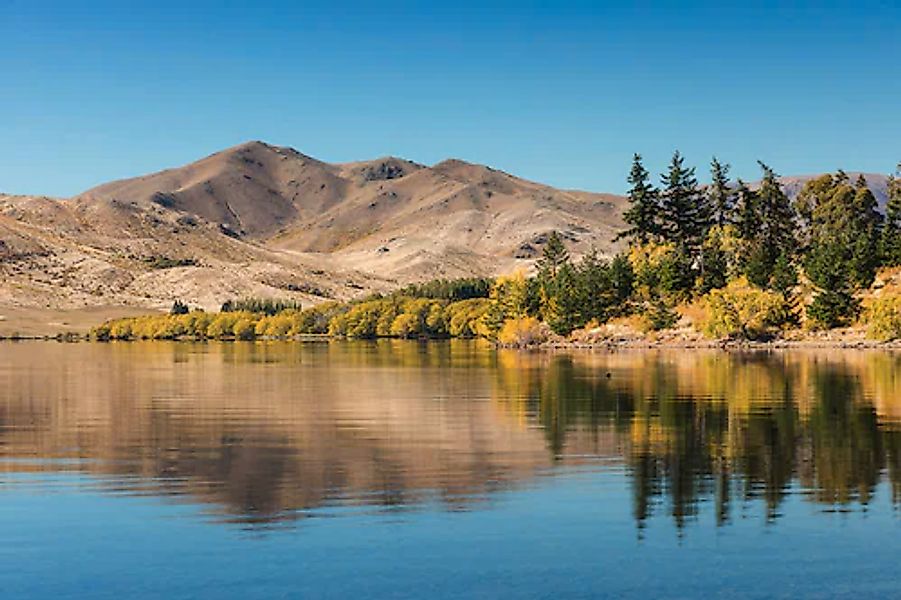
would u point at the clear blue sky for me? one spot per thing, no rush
(562, 93)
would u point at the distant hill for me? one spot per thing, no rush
(267, 220)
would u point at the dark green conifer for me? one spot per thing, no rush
(622, 279)
(567, 303)
(747, 213)
(776, 215)
(719, 195)
(682, 205)
(643, 214)
(179, 308)
(843, 252)
(554, 256)
(866, 226)
(891, 232)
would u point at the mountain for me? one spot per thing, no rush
(266, 220)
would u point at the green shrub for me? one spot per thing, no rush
(833, 308)
(657, 316)
(165, 262)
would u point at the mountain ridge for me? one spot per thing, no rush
(257, 219)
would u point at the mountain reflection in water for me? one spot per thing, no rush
(265, 432)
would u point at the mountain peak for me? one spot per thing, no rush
(381, 169)
(256, 147)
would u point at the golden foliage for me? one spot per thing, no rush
(741, 310)
(883, 318)
(382, 317)
(521, 332)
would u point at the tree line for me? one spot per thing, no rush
(753, 259)
(833, 234)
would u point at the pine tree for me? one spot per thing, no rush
(715, 262)
(843, 253)
(622, 279)
(179, 308)
(766, 226)
(785, 276)
(682, 205)
(784, 280)
(834, 304)
(563, 311)
(719, 194)
(716, 215)
(595, 290)
(553, 256)
(776, 214)
(891, 231)
(814, 193)
(644, 206)
(748, 218)
(866, 232)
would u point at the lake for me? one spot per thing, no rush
(398, 469)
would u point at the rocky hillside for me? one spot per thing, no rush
(265, 220)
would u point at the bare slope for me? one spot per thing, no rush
(260, 219)
(388, 216)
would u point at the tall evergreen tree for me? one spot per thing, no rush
(842, 255)
(719, 194)
(644, 206)
(622, 280)
(766, 223)
(563, 310)
(747, 215)
(776, 214)
(866, 228)
(891, 231)
(595, 287)
(682, 205)
(554, 256)
(553, 259)
(815, 192)
(834, 303)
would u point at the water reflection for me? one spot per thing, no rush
(724, 428)
(263, 432)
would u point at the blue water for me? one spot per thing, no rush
(80, 518)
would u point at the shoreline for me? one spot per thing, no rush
(548, 346)
(726, 345)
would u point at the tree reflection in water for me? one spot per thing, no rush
(725, 427)
(263, 432)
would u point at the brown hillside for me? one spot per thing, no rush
(265, 220)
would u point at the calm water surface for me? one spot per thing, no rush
(408, 470)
